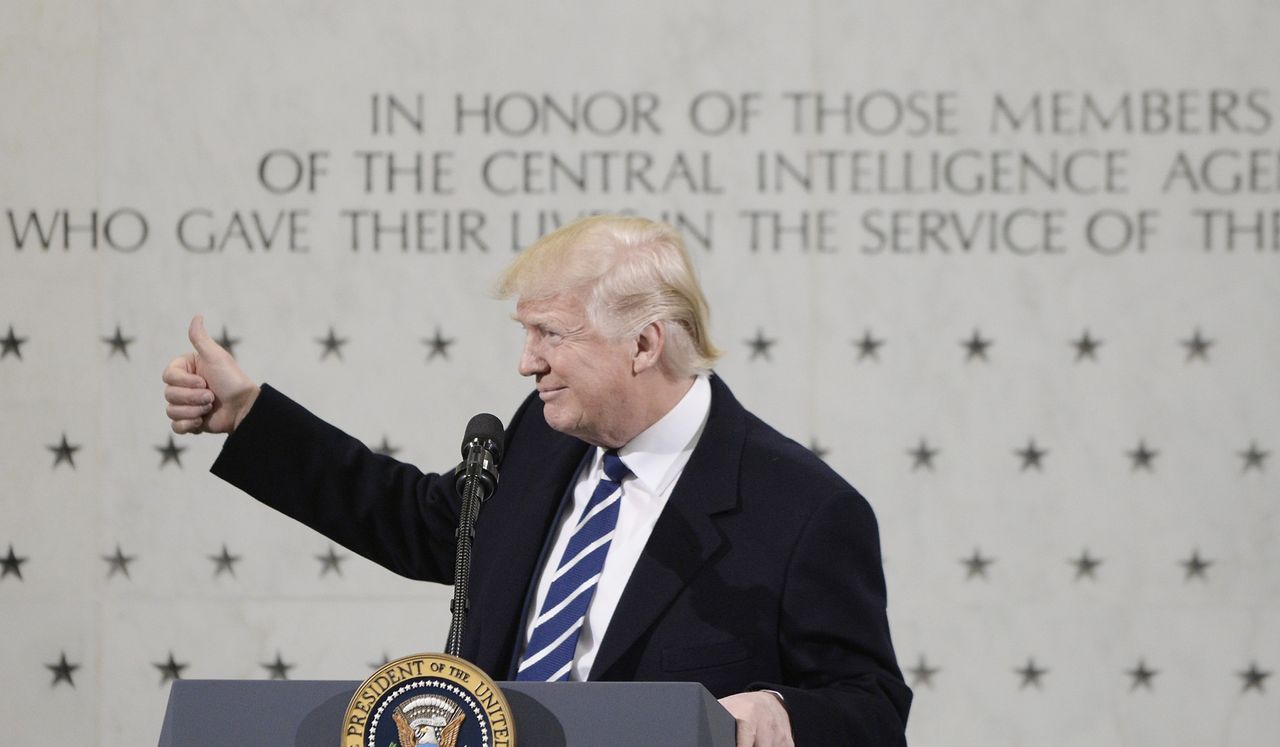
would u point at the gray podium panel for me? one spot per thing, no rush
(558, 714)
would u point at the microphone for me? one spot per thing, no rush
(481, 453)
(475, 480)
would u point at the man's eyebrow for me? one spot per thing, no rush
(531, 320)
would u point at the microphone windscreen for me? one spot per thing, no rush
(485, 427)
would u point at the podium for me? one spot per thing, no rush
(547, 714)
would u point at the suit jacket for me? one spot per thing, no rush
(763, 570)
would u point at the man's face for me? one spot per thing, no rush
(584, 380)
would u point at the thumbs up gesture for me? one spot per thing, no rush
(206, 390)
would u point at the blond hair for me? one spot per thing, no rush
(629, 272)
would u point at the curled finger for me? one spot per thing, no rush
(182, 395)
(187, 412)
(192, 425)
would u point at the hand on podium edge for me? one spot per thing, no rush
(206, 390)
(762, 719)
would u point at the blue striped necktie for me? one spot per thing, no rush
(549, 653)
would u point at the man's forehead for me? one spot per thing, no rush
(559, 306)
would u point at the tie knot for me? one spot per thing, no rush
(614, 469)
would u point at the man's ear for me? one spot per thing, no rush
(649, 344)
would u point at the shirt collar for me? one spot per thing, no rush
(654, 455)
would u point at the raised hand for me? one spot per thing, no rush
(206, 390)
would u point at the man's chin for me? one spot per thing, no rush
(556, 417)
(565, 421)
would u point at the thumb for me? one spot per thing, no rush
(200, 339)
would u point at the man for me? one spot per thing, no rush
(646, 527)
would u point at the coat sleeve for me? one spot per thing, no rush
(842, 684)
(383, 509)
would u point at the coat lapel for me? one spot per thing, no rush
(685, 536)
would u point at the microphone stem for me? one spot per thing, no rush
(461, 603)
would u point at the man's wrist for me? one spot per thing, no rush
(246, 404)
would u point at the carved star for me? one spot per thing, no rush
(1142, 676)
(1085, 565)
(868, 346)
(171, 452)
(976, 565)
(279, 669)
(1031, 456)
(330, 561)
(118, 563)
(1086, 347)
(437, 345)
(760, 346)
(1142, 457)
(63, 452)
(1253, 678)
(386, 448)
(11, 343)
(227, 342)
(922, 673)
(1197, 347)
(11, 564)
(119, 343)
(818, 450)
(332, 344)
(62, 671)
(976, 347)
(1254, 458)
(1031, 674)
(224, 562)
(922, 456)
(169, 670)
(1196, 566)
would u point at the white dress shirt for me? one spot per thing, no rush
(656, 458)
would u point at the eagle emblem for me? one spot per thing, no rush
(429, 721)
(428, 700)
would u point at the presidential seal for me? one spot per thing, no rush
(432, 700)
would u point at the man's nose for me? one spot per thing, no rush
(531, 362)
